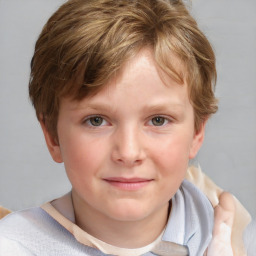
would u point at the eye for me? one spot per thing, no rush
(159, 121)
(95, 121)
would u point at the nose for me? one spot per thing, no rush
(128, 147)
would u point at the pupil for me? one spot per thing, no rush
(96, 121)
(158, 121)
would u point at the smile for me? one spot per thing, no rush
(131, 184)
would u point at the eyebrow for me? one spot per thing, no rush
(94, 106)
(156, 107)
(162, 106)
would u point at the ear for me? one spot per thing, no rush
(197, 141)
(52, 143)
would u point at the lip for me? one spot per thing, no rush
(129, 184)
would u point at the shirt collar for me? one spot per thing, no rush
(191, 219)
(190, 222)
(175, 229)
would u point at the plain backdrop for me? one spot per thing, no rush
(29, 177)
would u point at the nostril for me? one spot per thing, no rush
(128, 162)
(127, 148)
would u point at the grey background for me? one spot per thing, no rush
(29, 177)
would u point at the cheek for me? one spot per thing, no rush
(171, 157)
(173, 150)
(81, 157)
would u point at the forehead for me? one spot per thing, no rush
(143, 82)
(167, 64)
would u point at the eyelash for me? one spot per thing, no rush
(165, 119)
(89, 119)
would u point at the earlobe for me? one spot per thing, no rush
(197, 141)
(52, 144)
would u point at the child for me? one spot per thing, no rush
(122, 90)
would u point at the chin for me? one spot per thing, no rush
(129, 212)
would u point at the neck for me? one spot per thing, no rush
(124, 234)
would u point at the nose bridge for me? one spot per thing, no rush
(128, 145)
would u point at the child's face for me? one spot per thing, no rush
(127, 148)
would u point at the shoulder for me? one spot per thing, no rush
(25, 221)
(9, 247)
(20, 219)
(35, 232)
(19, 230)
(23, 232)
(16, 229)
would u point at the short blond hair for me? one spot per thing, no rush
(86, 42)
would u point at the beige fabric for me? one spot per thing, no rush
(212, 191)
(3, 212)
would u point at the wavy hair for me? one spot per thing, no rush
(86, 42)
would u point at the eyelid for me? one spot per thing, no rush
(87, 118)
(167, 118)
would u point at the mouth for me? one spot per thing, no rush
(129, 184)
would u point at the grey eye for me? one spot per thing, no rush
(96, 120)
(158, 121)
